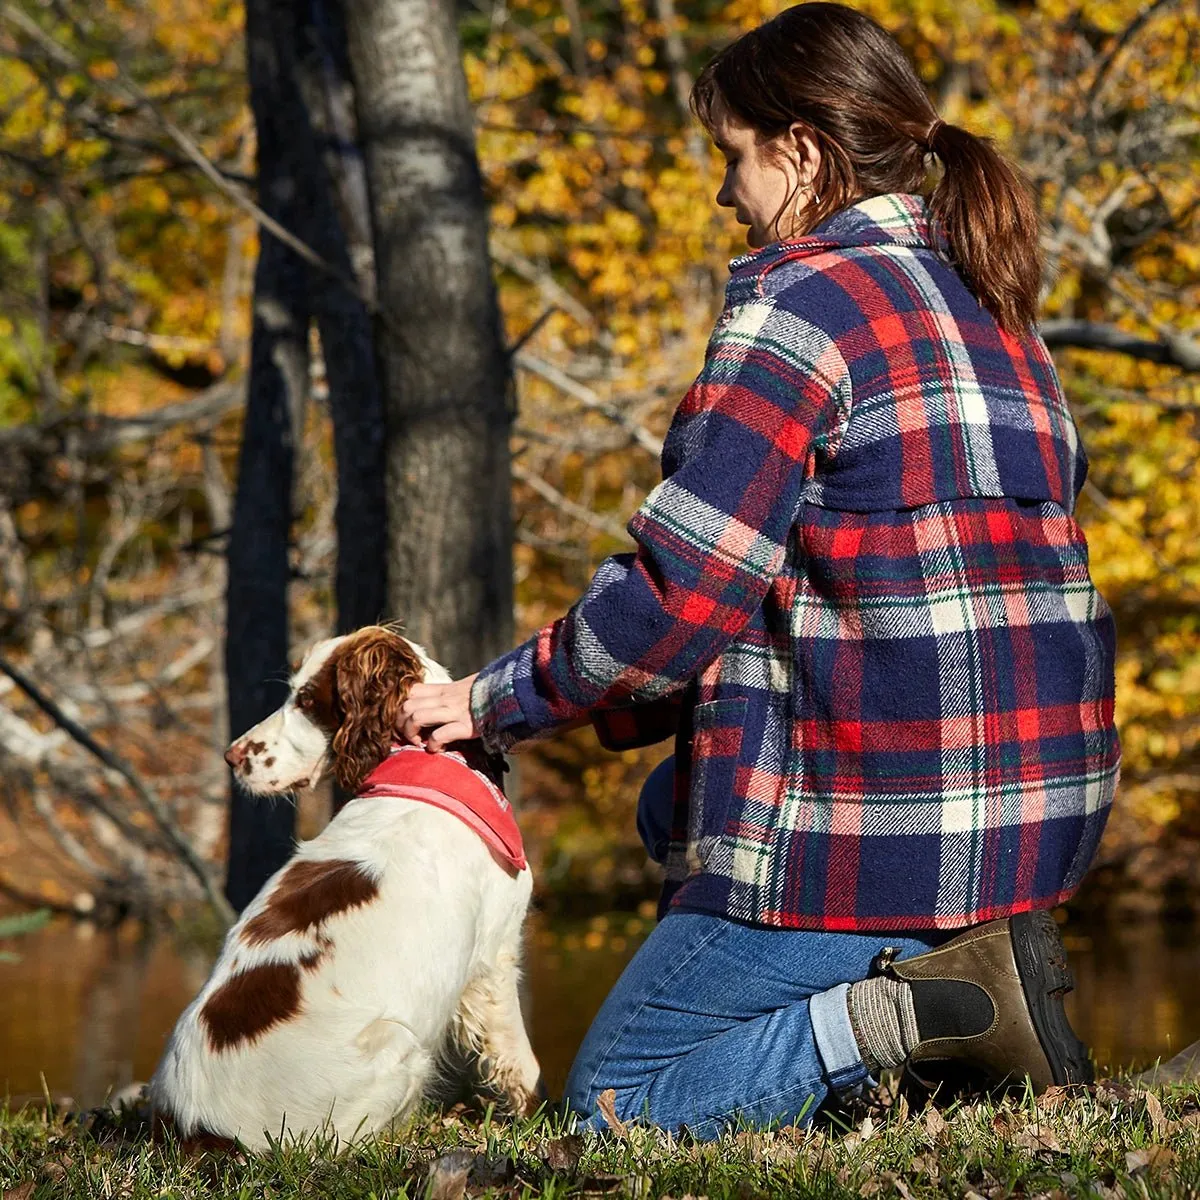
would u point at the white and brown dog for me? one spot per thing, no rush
(389, 938)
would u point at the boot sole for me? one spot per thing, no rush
(1046, 978)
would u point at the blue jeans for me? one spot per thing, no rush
(713, 1021)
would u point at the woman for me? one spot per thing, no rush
(860, 596)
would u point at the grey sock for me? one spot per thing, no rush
(883, 1020)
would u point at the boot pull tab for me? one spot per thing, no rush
(883, 960)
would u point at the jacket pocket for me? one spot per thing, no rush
(716, 749)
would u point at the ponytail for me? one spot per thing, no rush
(991, 221)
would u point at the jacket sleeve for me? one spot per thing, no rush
(632, 725)
(710, 538)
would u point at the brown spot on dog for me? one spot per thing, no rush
(308, 893)
(255, 747)
(248, 1004)
(270, 761)
(312, 960)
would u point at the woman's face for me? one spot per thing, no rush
(766, 180)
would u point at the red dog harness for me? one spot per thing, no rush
(446, 781)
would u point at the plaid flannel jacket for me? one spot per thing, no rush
(861, 596)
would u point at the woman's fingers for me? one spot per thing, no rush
(436, 714)
(444, 735)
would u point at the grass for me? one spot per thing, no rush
(1104, 1141)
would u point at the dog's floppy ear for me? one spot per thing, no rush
(373, 674)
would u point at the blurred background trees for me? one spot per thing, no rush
(128, 277)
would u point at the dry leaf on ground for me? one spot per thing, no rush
(606, 1102)
(1038, 1139)
(563, 1154)
(1149, 1158)
(935, 1123)
(1158, 1120)
(447, 1176)
(1053, 1098)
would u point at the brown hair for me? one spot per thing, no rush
(844, 76)
(356, 697)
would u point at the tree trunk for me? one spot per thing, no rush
(312, 180)
(341, 232)
(443, 365)
(256, 640)
(256, 644)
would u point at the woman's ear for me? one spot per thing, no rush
(373, 675)
(807, 151)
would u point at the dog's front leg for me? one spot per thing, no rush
(491, 1025)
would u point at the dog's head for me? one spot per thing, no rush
(340, 713)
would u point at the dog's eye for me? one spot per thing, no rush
(304, 700)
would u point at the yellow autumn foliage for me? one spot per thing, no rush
(601, 200)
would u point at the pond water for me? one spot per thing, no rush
(89, 1010)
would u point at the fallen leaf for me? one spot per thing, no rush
(1111, 1092)
(1158, 1121)
(1187, 1121)
(601, 1183)
(1037, 1139)
(55, 1170)
(866, 1128)
(1005, 1124)
(888, 1179)
(1149, 1158)
(935, 1123)
(487, 1172)
(447, 1177)
(606, 1102)
(563, 1154)
(1053, 1098)
(21, 1192)
(1135, 1160)
(926, 1164)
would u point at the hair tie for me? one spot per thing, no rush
(933, 131)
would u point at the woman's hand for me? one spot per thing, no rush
(442, 710)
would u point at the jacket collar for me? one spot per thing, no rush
(896, 219)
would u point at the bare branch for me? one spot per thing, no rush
(681, 79)
(65, 58)
(577, 512)
(589, 399)
(1126, 36)
(1174, 350)
(105, 433)
(115, 763)
(552, 291)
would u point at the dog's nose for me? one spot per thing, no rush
(235, 755)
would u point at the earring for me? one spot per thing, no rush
(815, 200)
